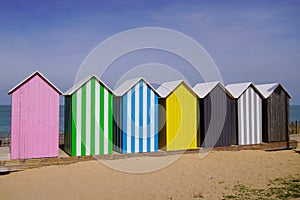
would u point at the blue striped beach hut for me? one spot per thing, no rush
(135, 117)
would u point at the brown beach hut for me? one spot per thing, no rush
(275, 112)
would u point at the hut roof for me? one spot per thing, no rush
(237, 89)
(203, 89)
(267, 89)
(36, 73)
(167, 88)
(79, 84)
(128, 84)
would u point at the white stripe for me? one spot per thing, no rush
(105, 122)
(88, 119)
(248, 104)
(97, 118)
(78, 123)
(241, 121)
(100, 128)
(247, 121)
(137, 109)
(254, 115)
(152, 121)
(145, 117)
(259, 120)
(129, 122)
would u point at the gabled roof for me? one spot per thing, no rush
(267, 89)
(128, 84)
(237, 89)
(167, 88)
(36, 73)
(79, 84)
(203, 89)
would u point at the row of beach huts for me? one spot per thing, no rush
(135, 117)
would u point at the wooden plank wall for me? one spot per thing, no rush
(276, 117)
(35, 120)
(68, 125)
(223, 127)
(181, 119)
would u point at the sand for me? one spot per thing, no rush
(186, 178)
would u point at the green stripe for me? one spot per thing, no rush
(92, 117)
(74, 117)
(83, 121)
(110, 118)
(101, 120)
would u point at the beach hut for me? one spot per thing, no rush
(249, 113)
(217, 114)
(178, 119)
(135, 117)
(88, 118)
(275, 112)
(35, 118)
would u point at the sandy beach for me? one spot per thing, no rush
(187, 178)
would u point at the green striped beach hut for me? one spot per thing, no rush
(88, 118)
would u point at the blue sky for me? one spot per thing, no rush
(255, 41)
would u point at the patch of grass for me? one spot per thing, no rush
(170, 197)
(280, 188)
(197, 195)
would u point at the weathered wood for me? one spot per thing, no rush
(162, 124)
(68, 125)
(276, 116)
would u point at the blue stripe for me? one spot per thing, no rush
(148, 120)
(141, 118)
(132, 120)
(156, 123)
(124, 127)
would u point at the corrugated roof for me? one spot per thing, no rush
(166, 88)
(31, 76)
(128, 84)
(79, 84)
(267, 89)
(203, 89)
(237, 89)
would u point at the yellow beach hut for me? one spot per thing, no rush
(178, 120)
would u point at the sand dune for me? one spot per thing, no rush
(187, 177)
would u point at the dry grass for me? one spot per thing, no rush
(280, 188)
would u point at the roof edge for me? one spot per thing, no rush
(277, 85)
(82, 82)
(180, 83)
(30, 77)
(217, 83)
(138, 79)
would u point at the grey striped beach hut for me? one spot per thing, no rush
(249, 113)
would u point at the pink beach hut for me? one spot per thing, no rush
(35, 118)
